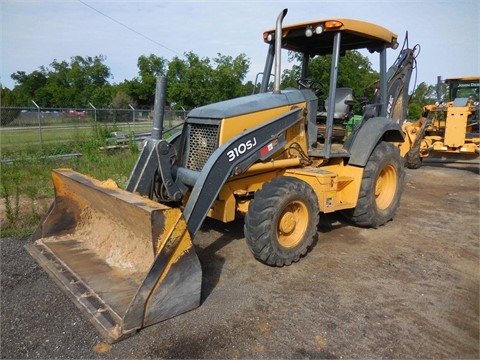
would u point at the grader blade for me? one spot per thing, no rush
(438, 157)
(126, 261)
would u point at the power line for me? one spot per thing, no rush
(127, 27)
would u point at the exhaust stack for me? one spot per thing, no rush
(278, 51)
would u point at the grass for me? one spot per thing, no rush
(26, 190)
(28, 139)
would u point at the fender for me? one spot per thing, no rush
(362, 142)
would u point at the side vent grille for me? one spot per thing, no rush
(202, 142)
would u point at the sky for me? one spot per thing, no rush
(34, 33)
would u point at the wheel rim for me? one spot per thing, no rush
(386, 187)
(292, 224)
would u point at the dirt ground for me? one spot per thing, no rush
(409, 290)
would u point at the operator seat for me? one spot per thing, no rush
(343, 100)
(341, 113)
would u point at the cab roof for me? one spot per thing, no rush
(356, 34)
(464, 78)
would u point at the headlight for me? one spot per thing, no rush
(268, 36)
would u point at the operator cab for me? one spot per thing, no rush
(330, 114)
(464, 91)
(466, 87)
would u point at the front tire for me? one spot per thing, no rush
(381, 188)
(281, 222)
(413, 159)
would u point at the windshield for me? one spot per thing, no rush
(463, 89)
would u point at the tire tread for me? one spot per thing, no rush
(259, 225)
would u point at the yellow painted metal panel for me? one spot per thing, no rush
(236, 125)
(456, 126)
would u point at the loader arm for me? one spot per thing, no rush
(228, 161)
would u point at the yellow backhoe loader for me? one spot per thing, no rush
(126, 257)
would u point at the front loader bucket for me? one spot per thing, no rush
(125, 260)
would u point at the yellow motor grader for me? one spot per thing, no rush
(126, 257)
(452, 130)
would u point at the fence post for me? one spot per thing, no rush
(133, 112)
(39, 123)
(94, 111)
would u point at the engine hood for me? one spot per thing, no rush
(248, 104)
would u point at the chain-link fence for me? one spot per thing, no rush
(27, 127)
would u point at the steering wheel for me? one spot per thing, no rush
(312, 84)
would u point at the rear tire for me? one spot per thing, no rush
(381, 188)
(281, 222)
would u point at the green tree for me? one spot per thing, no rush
(196, 81)
(29, 86)
(8, 102)
(249, 88)
(414, 111)
(228, 76)
(189, 81)
(8, 97)
(422, 95)
(355, 71)
(121, 100)
(141, 89)
(62, 84)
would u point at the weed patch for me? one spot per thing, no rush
(25, 186)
